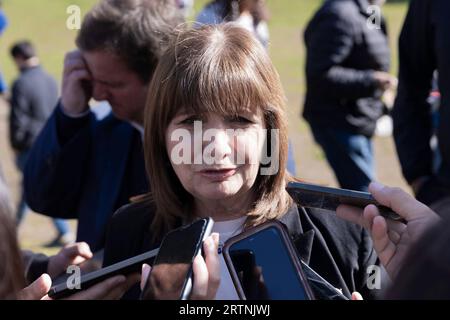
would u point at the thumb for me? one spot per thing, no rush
(145, 273)
(357, 296)
(38, 289)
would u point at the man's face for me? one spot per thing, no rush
(114, 82)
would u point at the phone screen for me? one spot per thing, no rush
(265, 268)
(170, 277)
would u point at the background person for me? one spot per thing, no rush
(346, 73)
(82, 167)
(424, 47)
(33, 97)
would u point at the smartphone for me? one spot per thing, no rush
(314, 196)
(263, 265)
(87, 280)
(171, 275)
(90, 265)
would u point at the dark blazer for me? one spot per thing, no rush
(339, 251)
(342, 53)
(424, 47)
(82, 169)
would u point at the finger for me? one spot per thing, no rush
(351, 214)
(399, 201)
(212, 264)
(38, 289)
(79, 75)
(382, 243)
(369, 214)
(371, 211)
(357, 296)
(74, 64)
(78, 249)
(144, 275)
(394, 236)
(200, 283)
(118, 292)
(396, 226)
(107, 289)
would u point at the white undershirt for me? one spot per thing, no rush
(226, 230)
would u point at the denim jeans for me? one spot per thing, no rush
(60, 224)
(350, 156)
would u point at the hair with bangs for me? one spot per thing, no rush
(218, 69)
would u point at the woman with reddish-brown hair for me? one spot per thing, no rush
(215, 145)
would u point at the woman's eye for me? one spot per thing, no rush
(241, 120)
(190, 120)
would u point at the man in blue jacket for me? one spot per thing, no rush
(82, 167)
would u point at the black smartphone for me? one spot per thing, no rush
(263, 265)
(87, 280)
(315, 196)
(93, 264)
(171, 275)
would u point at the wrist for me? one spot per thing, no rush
(74, 112)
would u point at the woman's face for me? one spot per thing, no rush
(216, 157)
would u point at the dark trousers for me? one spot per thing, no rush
(350, 155)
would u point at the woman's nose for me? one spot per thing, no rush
(219, 143)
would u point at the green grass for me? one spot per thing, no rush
(44, 22)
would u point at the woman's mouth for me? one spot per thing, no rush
(218, 174)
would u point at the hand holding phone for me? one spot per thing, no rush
(263, 265)
(171, 277)
(315, 196)
(129, 266)
(76, 84)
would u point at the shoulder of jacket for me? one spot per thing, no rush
(138, 212)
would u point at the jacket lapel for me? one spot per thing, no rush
(303, 241)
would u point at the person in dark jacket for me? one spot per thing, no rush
(424, 47)
(346, 72)
(83, 167)
(33, 97)
(220, 79)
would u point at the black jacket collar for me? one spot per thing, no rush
(303, 241)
